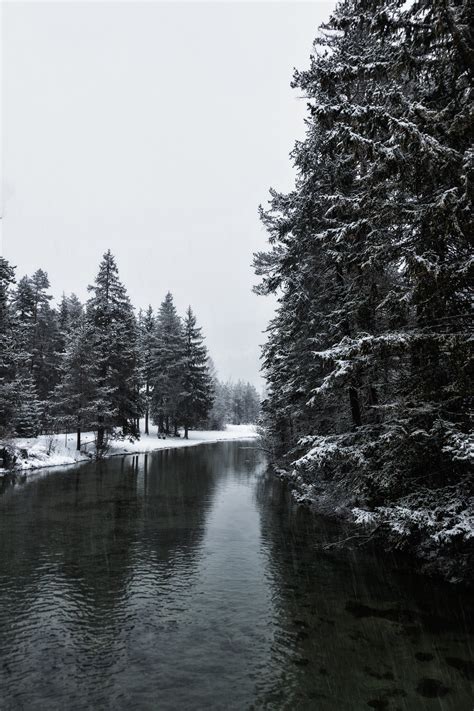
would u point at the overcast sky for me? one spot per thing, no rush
(154, 129)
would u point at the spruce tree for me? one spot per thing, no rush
(251, 404)
(28, 411)
(114, 346)
(147, 343)
(196, 394)
(218, 415)
(78, 396)
(368, 356)
(167, 367)
(7, 348)
(37, 332)
(45, 353)
(69, 314)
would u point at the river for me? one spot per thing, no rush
(187, 579)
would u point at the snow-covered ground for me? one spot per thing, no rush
(59, 449)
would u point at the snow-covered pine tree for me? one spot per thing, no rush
(77, 398)
(75, 310)
(28, 411)
(7, 278)
(251, 404)
(63, 316)
(167, 367)
(217, 417)
(69, 314)
(7, 349)
(22, 312)
(23, 300)
(114, 346)
(45, 352)
(392, 100)
(39, 286)
(196, 396)
(40, 330)
(370, 254)
(37, 337)
(238, 402)
(147, 341)
(226, 391)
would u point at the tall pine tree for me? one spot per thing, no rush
(78, 397)
(147, 340)
(114, 346)
(7, 348)
(196, 397)
(167, 367)
(368, 358)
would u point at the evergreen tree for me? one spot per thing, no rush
(234, 403)
(78, 396)
(367, 356)
(39, 283)
(23, 301)
(216, 419)
(37, 332)
(28, 411)
(22, 313)
(196, 394)
(167, 367)
(7, 348)
(251, 404)
(45, 353)
(238, 406)
(69, 315)
(114, 346)
(147, 338)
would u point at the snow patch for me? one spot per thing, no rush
(60, 449)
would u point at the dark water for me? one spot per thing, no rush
(187, 580)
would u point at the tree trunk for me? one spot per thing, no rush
(355, 407)
(78, 438)
(186, 429)
(100, 436)
(167, 424)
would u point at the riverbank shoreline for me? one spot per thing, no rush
(59, 450)
(438, 542)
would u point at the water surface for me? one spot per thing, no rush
(187, 579)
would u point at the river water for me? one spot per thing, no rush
(187, 579)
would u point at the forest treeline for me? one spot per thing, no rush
(100, 367)
(237, 403)
(369, 358)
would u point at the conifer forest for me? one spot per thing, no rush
(369, 359)
(264, 500)
(100, 366)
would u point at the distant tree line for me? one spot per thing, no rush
(234, 403)
(98, 366)
(369, 359)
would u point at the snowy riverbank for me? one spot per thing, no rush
(435, 527)
(60, 449)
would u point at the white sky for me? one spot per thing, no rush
(154, 129)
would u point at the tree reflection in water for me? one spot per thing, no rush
(188, 579)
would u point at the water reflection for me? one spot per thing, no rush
(354, 629)
(187, 579)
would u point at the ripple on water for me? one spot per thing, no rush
(189, 580)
